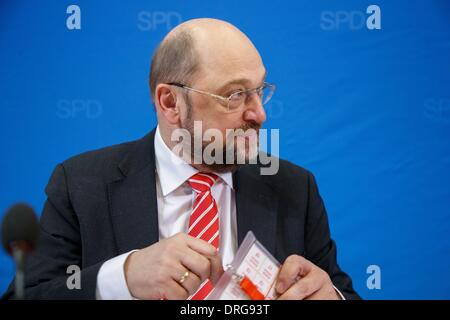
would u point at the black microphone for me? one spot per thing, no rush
(20, 232)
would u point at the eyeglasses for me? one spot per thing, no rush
(237, 100)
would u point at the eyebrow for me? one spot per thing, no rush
(238, 81)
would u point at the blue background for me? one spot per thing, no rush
(367, 111)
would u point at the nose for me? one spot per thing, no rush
(254, 110)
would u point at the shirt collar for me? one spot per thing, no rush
(173, 171)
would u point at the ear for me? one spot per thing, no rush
(166, 102)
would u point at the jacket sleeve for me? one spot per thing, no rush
(46, 271)
(320, 249)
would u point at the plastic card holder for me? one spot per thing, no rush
(251, 275)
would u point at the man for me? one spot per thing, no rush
(144, 223)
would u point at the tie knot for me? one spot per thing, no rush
(202, 182)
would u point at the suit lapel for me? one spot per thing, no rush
(132, 198)
(256, 207)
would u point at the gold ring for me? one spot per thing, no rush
(184, 277)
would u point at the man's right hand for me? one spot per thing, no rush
(154, 273)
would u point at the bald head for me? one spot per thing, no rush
(200, 47)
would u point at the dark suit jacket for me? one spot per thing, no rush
(103, 203)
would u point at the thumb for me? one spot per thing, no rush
(216, 268)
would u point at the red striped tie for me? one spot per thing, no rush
(204, 220)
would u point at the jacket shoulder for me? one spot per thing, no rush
(291, 177)
(284, 175)
(101, 162)
(288, 168)
(280, 170)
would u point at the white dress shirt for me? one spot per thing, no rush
(175, 198)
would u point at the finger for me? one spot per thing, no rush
(201, 246)
(195, 262)
(325, 293)
(174, 291)
(303, 288)
(216, 268)
(191, 282)
(293, 267)
(318, 295)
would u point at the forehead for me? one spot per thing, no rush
(240, 65)
(226, 53)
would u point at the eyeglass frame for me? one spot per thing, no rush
(228, 99)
